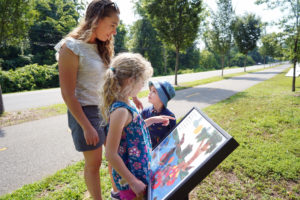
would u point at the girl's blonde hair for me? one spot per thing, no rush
(97, 9)
(123, 67)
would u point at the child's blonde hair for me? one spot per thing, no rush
(123, 67)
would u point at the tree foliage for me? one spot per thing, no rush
(16, 16)
(146, 42)
(290, 23)
(270, 46)
(120, 38)
(55, 19)
(220, 36)
(246, 32)
(176, 21)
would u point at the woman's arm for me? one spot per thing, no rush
(68, 66)
(118, 120)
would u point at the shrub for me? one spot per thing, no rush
(29, 77)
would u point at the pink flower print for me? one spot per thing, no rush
(137, 165)
(130, 131)
(139, 131)
(121, 150)
(134, 152)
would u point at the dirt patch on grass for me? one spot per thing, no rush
(18, 117)
(46, 192)
(12, 118)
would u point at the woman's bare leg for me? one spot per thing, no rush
(93, 161)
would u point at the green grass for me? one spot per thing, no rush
(264, 119)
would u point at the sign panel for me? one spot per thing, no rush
(187, 155)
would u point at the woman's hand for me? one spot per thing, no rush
(91, 136)
(137, 103)
(138, 187)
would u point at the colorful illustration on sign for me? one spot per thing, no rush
(181, 153)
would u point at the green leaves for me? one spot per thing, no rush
(16, 17)
(247, 32)
(177, 22)
(29, 77)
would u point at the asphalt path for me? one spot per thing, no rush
(33, 150)
(35, 99)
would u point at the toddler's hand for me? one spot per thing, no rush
(164, 119)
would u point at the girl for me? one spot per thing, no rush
(128, 145)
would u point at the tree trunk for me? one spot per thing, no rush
(229, 64)
(264, 61)
(295, 62)
(245, 59)
(1, 102)
(222, 60)
(176, 64)
(295, 50)
(165, 59)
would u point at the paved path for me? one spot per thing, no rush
(34, 150)
(35, 99)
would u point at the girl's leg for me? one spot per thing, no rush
(93, 161)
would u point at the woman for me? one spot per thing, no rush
(84, 56)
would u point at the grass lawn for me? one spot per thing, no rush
(264, 119)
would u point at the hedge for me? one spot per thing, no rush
(29, 77)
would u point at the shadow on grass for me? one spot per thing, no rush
(235, 97)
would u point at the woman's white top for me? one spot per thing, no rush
(91, 70)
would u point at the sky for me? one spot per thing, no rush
(240, 6)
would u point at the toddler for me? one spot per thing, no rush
(160, 93)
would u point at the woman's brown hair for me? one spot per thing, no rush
(96, 10)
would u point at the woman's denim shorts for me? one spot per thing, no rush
(93, 115)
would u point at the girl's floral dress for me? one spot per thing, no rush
(135, 147)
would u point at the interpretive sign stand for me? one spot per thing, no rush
(195, 147)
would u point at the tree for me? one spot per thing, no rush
(246, 32)
(176, 21)
(146, 42)
(190, 59)
(55, 19)
(120, 39)
(270, 46)
(291, 25)
(16, 17)
(220, 36)
(207, 60)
